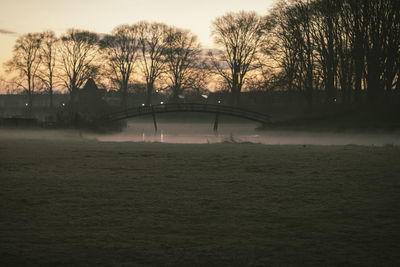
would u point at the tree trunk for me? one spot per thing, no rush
(29, 93)
(358, 73)
(358, 52)
(236, 100)
(51, 97)
(124, 94)
(30, 101)
(150, 88)
(309, 77)
(330, 81)
(375, 90)
(389, 77)
(235, 88)
(290, 90)
(51, 91)
(73, 95)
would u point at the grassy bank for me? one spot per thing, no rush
(66, 202)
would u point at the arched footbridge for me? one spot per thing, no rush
(187, 107)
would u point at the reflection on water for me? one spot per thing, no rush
(202, 133)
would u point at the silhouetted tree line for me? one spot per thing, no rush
(343, 47)
(346, 45)
(157, 52)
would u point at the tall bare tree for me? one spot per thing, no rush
(121, 49)
(284, 50)
(382, 46)
(240, 36)
(296, 30)
(25, 62)
(356, 28)
(346, 63)
(324, 34)
(153, 48)
(48, 53)
(302, 22)
(78, 53)
(183, 62)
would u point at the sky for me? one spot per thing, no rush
(18, 17)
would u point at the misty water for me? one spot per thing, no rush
(241, 131)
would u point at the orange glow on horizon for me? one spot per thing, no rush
(23, 16)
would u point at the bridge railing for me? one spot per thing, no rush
(188, 107)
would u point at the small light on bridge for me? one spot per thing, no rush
(26, 104)
(162, 103)
(142, 105)
(335, 99)
(219, 101)
(63, 104)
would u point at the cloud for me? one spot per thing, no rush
(4, 31)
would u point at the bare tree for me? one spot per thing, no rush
(325, 22)
(48, 53)
(153, 48)
(371, 29)
(356, 28)
(345, 44)
(121, 53)
(297, 20)
(26, 62)
(382, 46)
(240, 36)
(183, 62)
(284, 50)
(347, 68)
(302, 21)
(78, 52)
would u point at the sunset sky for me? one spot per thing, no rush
(22, 16)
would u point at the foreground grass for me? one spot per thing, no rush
(66, 203)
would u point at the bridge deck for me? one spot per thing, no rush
(187, 107)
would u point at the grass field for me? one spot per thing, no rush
(67, 202)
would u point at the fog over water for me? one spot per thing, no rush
(242, 131)
(201, 132)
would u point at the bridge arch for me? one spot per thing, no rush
(187, 107)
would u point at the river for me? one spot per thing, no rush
(186, 132)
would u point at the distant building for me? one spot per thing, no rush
(90, 102)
